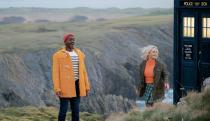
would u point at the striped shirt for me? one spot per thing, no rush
(75, 64)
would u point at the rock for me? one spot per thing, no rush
(206, 83)
(112, 63)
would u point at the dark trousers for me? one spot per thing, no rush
(74, 103)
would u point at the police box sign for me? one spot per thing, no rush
(188, 52)
(195, 3)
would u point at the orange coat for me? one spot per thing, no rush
(63, 75)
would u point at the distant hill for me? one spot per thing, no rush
(12, 19)
(61, 15)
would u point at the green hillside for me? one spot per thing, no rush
(36, 36)
(109, 12)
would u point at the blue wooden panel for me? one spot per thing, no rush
(189, 76)
(191, 64)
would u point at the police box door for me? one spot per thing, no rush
(195, 49)
(188, 49)
(204, 46)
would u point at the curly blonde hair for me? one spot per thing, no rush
(145, 51)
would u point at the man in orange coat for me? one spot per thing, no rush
(70, 78)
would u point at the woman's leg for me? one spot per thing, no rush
(149, 105)
(148, 95)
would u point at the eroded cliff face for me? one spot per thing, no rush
(112, 62)
(26, 80)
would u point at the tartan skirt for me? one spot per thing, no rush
(148, 94)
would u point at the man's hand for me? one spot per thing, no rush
(87, 91)
(58, 93)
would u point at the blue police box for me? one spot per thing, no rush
(191, 45)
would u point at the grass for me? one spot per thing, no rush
(46, 13)
(195, 107)
(28, 37)
(40, 114)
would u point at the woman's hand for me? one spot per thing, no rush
(166, 85)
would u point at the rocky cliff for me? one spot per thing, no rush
(26, 80)
(112, 61)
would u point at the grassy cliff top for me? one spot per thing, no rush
(194, 107)
(40, 114)
(36, 36)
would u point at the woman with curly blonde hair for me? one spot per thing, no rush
(153, 76)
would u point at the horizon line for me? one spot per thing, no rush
(89, 7)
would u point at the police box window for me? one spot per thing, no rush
(206, 27)
(188, 26)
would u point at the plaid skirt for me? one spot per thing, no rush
(148, 94)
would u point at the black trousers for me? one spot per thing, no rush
(74, 104)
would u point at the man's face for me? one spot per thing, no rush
(70, 43)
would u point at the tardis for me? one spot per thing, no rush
(191, 46)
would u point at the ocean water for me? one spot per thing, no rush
(168, 99)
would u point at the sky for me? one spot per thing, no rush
(87, 3)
